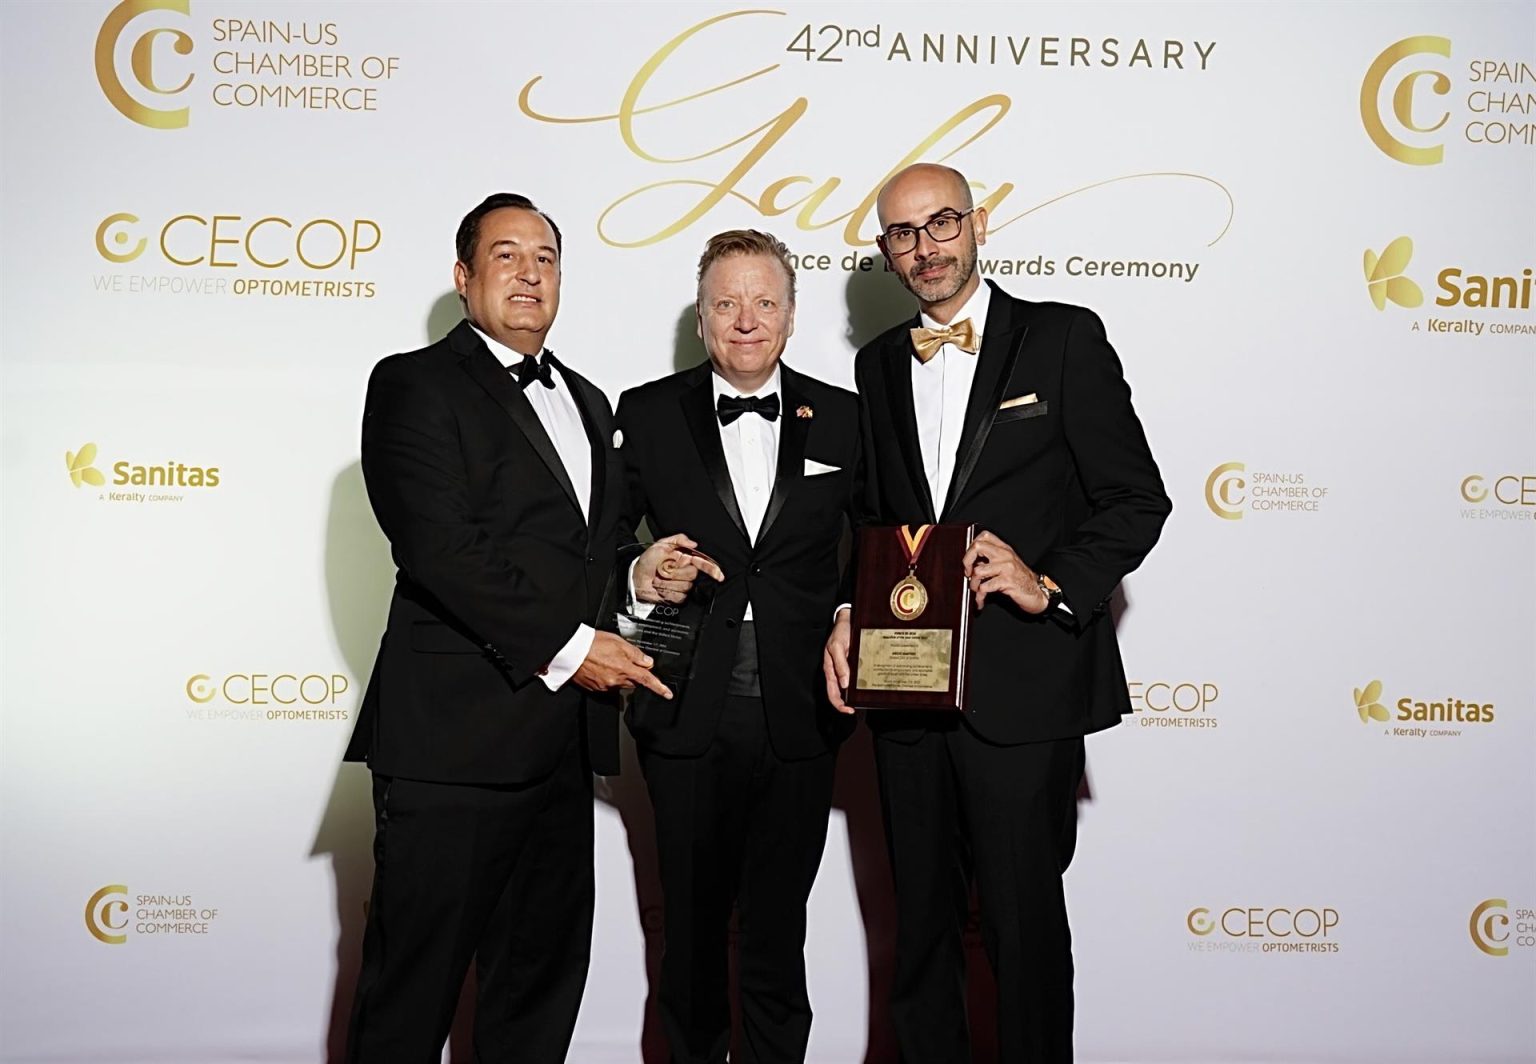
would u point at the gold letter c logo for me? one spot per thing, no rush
(142, 62)
(1402, 99)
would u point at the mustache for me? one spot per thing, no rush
(946, 260)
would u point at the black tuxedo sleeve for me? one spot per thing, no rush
(1126, 500)
(414, 467)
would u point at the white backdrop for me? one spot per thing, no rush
(1352, 463)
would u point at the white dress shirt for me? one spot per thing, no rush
(941, 388)
(557, 411)
(751, 445)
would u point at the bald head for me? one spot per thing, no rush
(929, 180)
(929, 232)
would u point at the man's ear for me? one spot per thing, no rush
(460, 277)
(979, 224)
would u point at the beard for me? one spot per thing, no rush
(960, 268)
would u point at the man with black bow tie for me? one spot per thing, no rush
(491, 469)
(758, 463)
(1015, 417)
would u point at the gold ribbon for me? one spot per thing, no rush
(926, 342)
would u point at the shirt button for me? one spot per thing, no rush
(757, 570)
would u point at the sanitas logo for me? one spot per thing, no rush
(1410, 712)
(1407, 113)
(129, 475)
(81, 470)
(1491, 930)
(1384, 275)
(1260, 929)
(1386, 282)
(142, 64)
(1231, 491)
(107, 915)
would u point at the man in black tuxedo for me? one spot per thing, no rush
(758, 463)
(490, 467)
(1015, 417)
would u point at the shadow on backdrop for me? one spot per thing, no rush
(687, 349)
(359, 579)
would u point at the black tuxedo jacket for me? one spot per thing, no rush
(497, 567)
(677, 479)
(1068, 482)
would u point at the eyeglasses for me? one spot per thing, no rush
(945, 227)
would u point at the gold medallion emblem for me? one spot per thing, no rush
(909, 598)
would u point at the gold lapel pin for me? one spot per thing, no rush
(805, 412)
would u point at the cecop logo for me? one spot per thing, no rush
(1264, 929)
(144, 65)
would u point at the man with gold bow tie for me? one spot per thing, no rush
(1015, 417)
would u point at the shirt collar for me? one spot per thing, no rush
(975, 308)
(504, 354)
(724, 387)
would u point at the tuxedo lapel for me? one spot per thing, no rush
(793, 430)
(699, 412)
(491, 375)
(897, 364)
(599, 436)
(1001, 340)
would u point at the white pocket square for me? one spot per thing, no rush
(814, 468)
(1022, 400)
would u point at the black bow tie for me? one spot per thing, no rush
(729, 408)
(533, 368)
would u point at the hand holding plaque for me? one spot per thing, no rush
(911, 618)
(668, 628)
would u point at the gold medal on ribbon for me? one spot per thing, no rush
(909, 598)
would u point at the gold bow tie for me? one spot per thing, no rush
(926, 342)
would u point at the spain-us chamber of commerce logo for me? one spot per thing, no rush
(1496, 927)
(1233, 491)
(154, 63)
(113, 915)
(1415, 101)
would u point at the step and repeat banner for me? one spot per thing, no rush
(1308, 228)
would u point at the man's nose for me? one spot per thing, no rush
(527, 270)
(926, 248)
